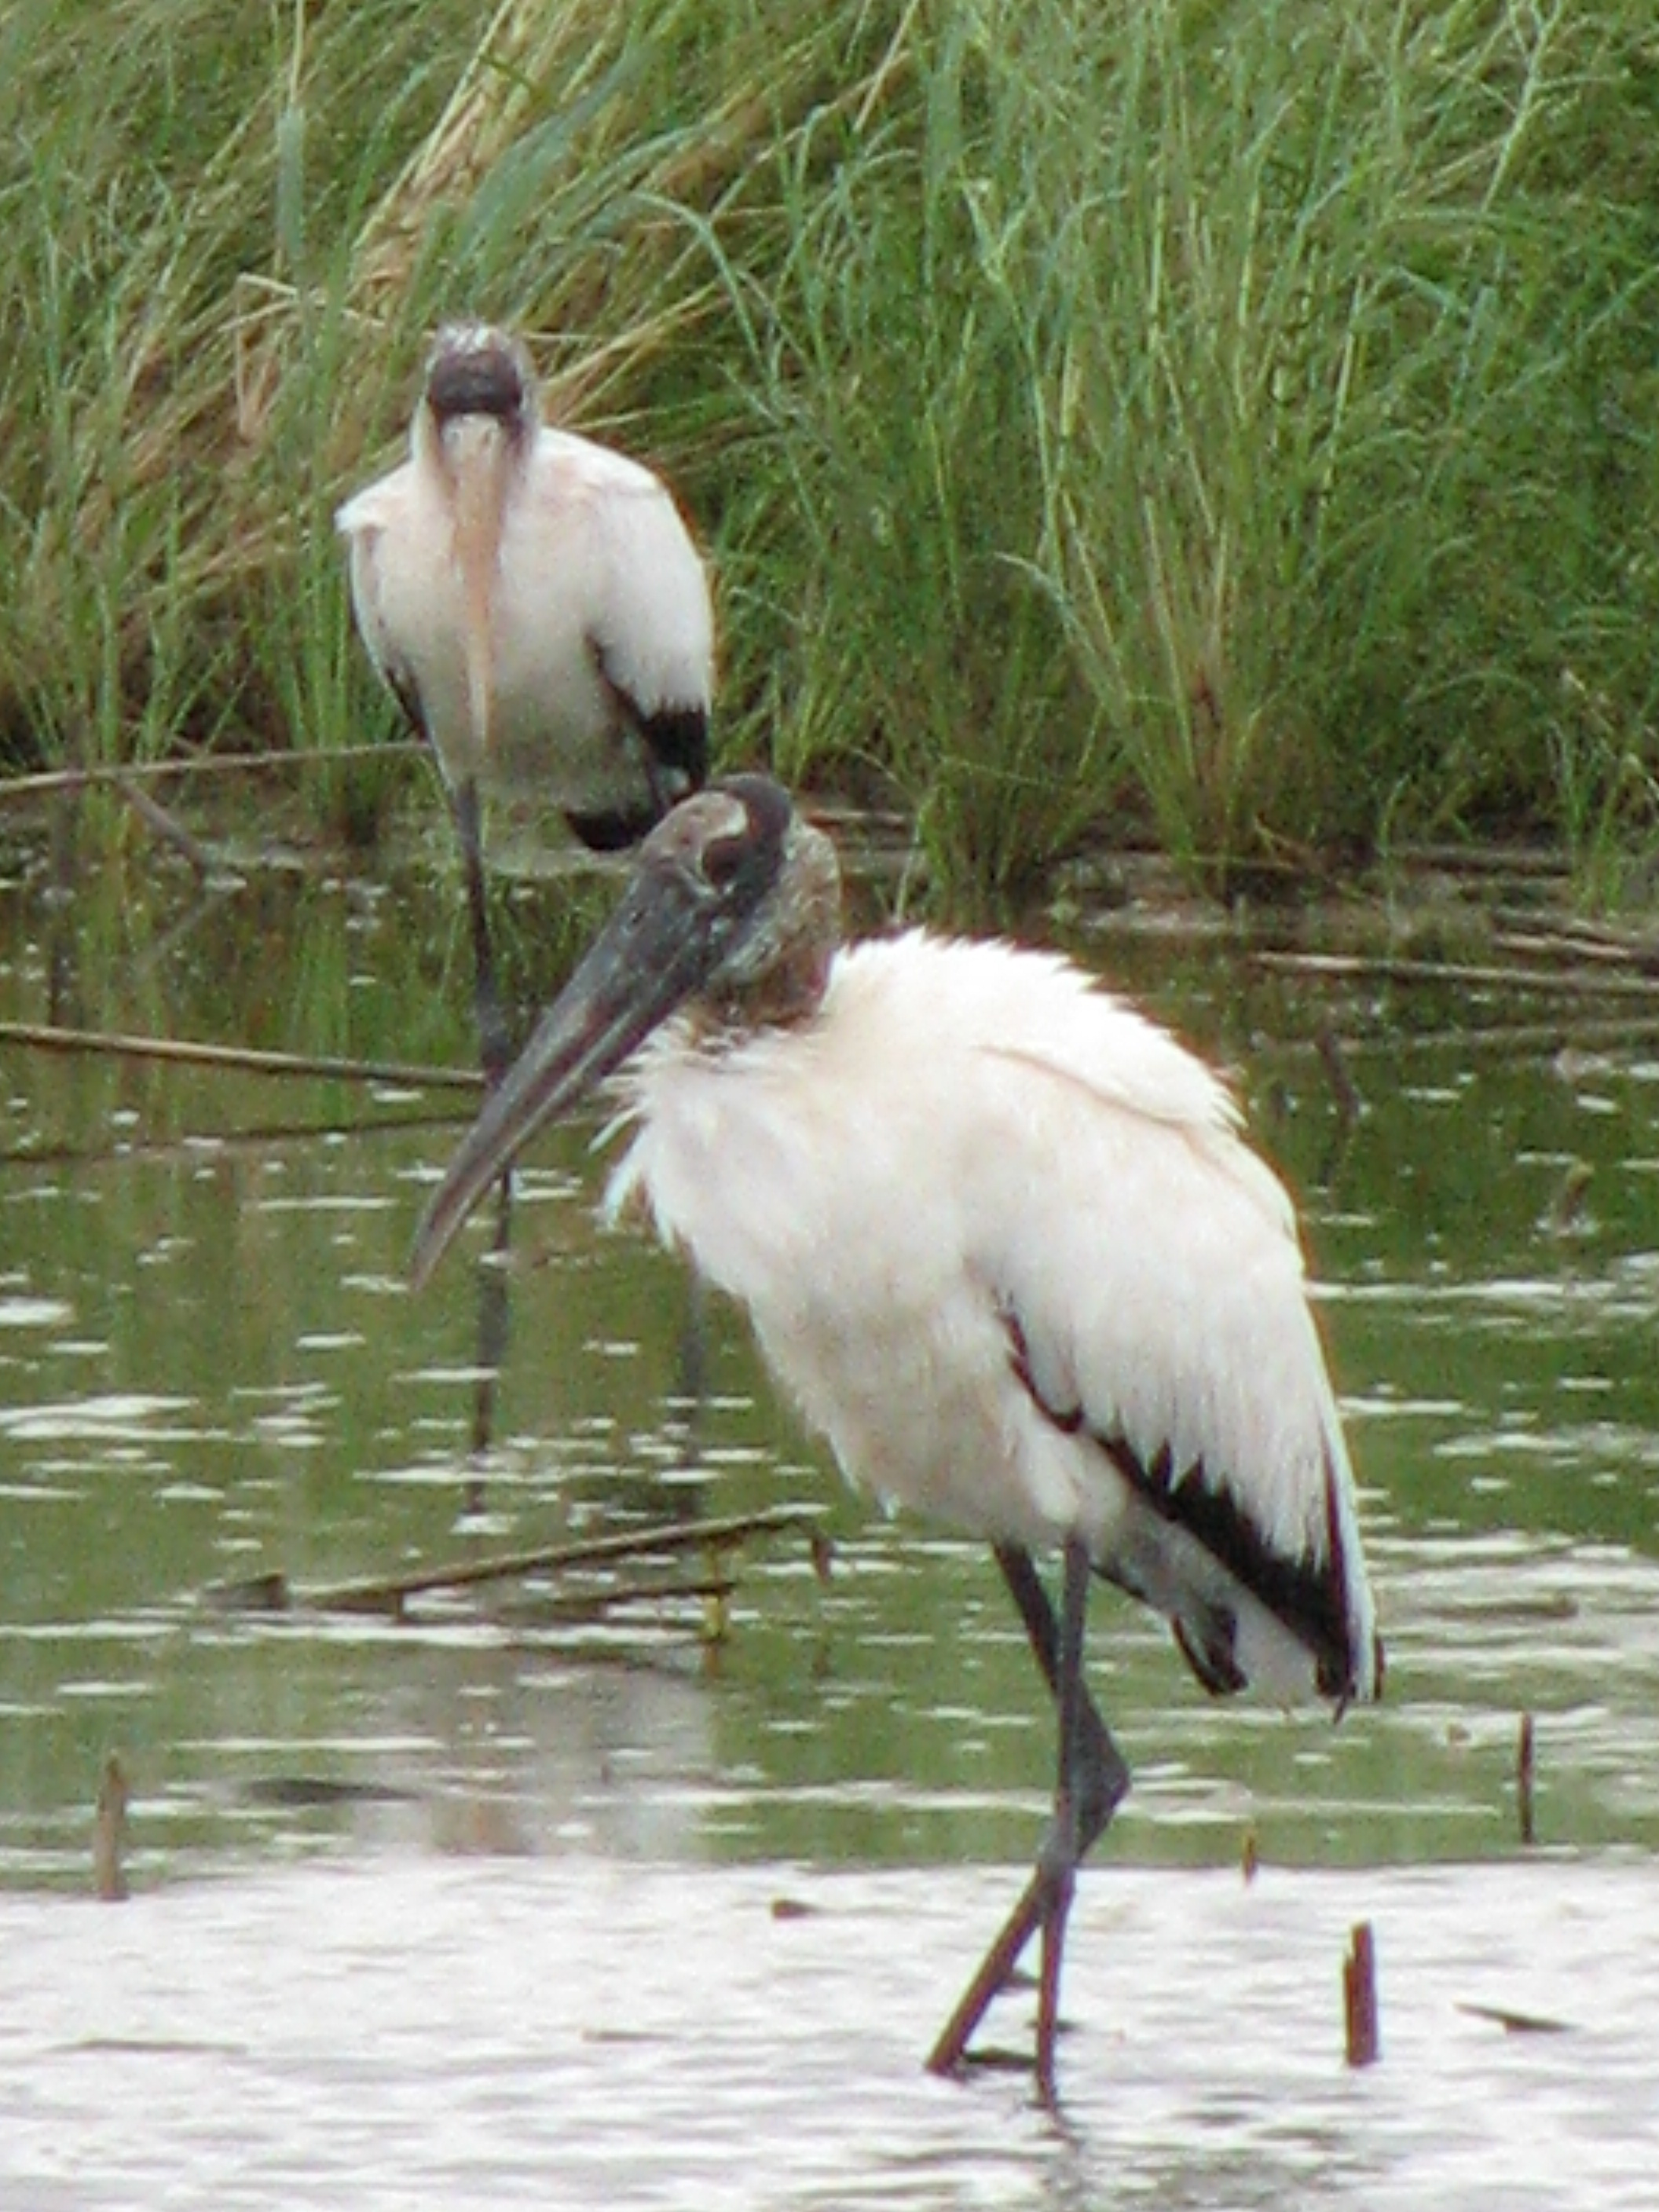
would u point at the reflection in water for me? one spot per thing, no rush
(62, 993)
(495, 1316)
(494, 1899)
(209, 1372)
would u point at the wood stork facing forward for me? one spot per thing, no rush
(536, 604)
(1002, 1241)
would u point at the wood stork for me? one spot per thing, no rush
(1003, 1242)
(536, 605)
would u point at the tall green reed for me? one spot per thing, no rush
(1320, 468)
(1227, 423)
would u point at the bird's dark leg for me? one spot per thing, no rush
(496, 1052)
(494, 1315)
(1058, 1859)
(495, 1046)
(1102, 1768)
(1092, 1781)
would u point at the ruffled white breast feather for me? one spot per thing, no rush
(972, 1153)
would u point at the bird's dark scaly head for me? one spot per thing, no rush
(733, 910)
(476, 371)
(472, 435)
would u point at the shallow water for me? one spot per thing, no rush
(583, 2032)
(211, 1371)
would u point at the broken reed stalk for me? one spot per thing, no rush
(1567, 1207)
(1555, 922)
(167, 827)
(1609, 1032)
(1365, 967)
(43, 1037)
(1527, 864)
(1568, 944)
(260, 1137)
(389, 1594)
(1364, 2045)
(109, 1874)
(1349, 1103)
(1525, 1767)
(1516, 2023)
(43, 783)
(1567, 1032)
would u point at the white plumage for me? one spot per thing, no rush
(1002, 1241)
(535, 603)
(588, 681)
(970, 1147)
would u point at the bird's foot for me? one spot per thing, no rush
(997, 1971)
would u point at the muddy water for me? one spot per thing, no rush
(212, 1378)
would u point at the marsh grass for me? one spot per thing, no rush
(1230, 424)
(1315, 509)
(893, 387)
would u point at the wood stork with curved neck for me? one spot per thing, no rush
(1004, 1245)
(536, 605)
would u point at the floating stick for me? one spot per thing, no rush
(270, 1593)
(1518, 2023)
(43, 1037)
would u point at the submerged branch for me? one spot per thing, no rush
(389, 1594)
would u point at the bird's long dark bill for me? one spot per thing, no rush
(651, 955)
(478, 460)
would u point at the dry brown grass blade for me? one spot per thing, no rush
(524, 47)
(47, 783)
(1549, 982)
(43, 1036)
